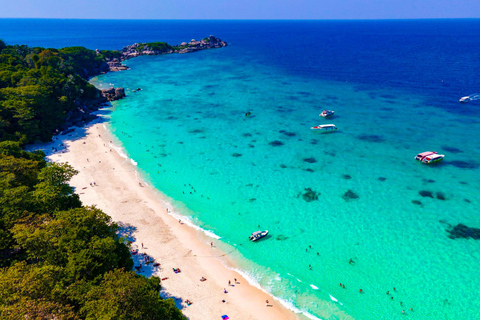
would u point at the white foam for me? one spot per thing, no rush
(188, 221)
(119, 151)
(335, 299)
(287, 304)
(314, 287)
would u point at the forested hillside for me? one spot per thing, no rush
(59, 259)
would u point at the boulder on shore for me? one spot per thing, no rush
(112, 94)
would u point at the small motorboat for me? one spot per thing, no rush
(429, 157)
(464, 99)
(258, 235)
(325, 127)
(327, 113)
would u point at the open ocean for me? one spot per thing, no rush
(325, 198)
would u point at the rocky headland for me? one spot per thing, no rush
(155, 48)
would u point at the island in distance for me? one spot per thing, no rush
(114, 58)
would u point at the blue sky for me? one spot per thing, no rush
(240, 9)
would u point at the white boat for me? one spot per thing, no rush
(429, 157)
(258, 235)
(325, 127)
(327, 113)
(464, 99)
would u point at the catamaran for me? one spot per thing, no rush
(429, 157)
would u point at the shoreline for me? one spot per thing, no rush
(143, 216)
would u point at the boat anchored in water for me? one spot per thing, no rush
(325, 127)
(429, 157)
(258, 235)
(327, 113)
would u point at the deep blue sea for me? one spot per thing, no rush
(355, 194)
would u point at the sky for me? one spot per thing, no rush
(240, 9)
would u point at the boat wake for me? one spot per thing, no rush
(472, 97)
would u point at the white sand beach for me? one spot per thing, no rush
(109, 181)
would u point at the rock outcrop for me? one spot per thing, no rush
(112, 94)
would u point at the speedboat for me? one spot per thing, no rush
(464, 99)
(327, 113)
(325, 127)
(429, 157)
(258, 235)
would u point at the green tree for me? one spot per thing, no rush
(53, 193)
(82, 240)
(126, 296)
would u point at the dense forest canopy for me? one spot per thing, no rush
(59, 259)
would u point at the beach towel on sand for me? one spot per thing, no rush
(225, 317)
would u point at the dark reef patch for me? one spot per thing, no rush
(387, 96)
(314, 141)
(283, 166)
(330, 97)
(346, 176)
(252, 199)
(310, 160)
(426, 193)
(381, 179)
(304, 93)
(247, 134)
(467, 201)
(441, 196)
(309, 170)
(236, 155)
(462, 231)
(452, 149)
(276, 143)
(463, 164)
(288, 134)
(350, 195)
(309, 195)
(281, 237)
(428, 180)
(371, 138)
(418, 203)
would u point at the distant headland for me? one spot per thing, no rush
(115, 58)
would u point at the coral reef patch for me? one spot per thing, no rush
(309, 195)
(371, 138)
(276, 143)
(350, 195)
(426, 193)
(462, 231)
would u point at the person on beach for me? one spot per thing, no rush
(211, 244)
(229, 283)
(266, 303)
(225, 290)
(235, 279)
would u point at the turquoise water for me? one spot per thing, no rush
(394, 85)
(234, 174)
